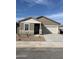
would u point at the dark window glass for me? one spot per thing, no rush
(26, 26)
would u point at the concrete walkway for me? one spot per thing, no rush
(25, 44)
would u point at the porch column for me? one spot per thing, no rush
(40, 31)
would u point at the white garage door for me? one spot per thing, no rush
(52, 28)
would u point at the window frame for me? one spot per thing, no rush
(26, 29)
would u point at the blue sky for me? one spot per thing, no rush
(52, 9)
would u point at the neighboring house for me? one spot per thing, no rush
(17, 25)
(61, 29)
(39, 25)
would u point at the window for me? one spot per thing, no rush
(26, 26)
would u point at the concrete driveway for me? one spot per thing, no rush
(53, 37)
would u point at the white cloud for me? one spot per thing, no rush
(34, 2)
(39, 1)
(57, 17)
(17, 19)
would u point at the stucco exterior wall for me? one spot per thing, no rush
(32, 28)
(22, 28)
(47, 21)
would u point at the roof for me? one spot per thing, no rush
(36, 20)
(32, 21)
(26, 19)
(46, 22)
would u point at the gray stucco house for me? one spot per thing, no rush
(39, 25)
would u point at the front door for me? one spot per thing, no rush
(36, 28)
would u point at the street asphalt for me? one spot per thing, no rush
(39, 53)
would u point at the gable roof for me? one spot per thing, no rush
(32, 21)
(38, 19)
(26, 19)
(48, 19)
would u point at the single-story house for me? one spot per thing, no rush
(39, 25)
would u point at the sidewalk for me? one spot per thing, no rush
(35, 44)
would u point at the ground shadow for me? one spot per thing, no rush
(45, 30)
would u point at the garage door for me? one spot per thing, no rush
(52, 29)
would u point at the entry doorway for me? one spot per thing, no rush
(36, 28)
